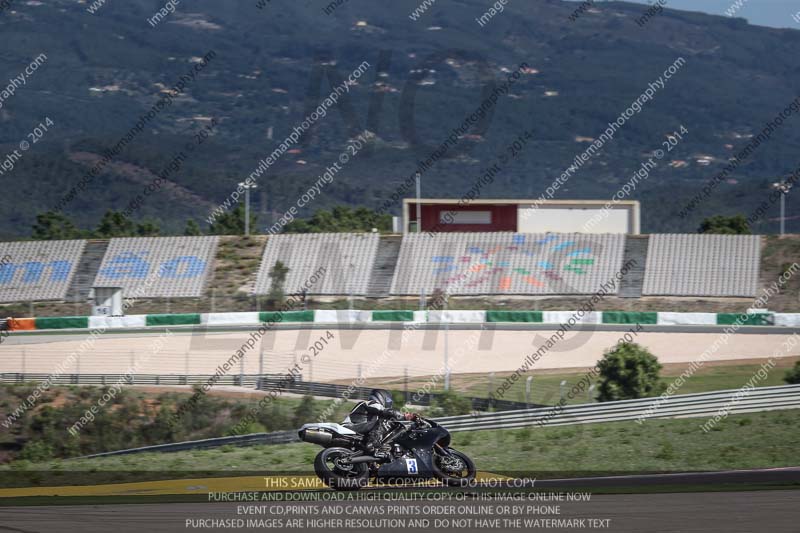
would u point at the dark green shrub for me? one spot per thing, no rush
(628, 371)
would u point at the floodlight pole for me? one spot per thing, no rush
(247, 211)
(247, 186)
(783, 189)
(783, 213)
(446, 350)
(419, 205)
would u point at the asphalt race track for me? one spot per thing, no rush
(729, 512)
(558, 505)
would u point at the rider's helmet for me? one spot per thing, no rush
(382, 396)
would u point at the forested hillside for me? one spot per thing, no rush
(272, 66)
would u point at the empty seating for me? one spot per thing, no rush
(158, 267)
(347, 258)
(37, 270)
(507, 263)
(702, 265)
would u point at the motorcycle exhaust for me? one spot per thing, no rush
(362, 459)
(323, 438)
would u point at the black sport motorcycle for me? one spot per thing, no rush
(412, 449)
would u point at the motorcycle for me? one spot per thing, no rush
(413, 449)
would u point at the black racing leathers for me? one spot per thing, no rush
(370, 419)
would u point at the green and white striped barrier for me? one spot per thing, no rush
(331, 316)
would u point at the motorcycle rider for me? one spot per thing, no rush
(371, 418)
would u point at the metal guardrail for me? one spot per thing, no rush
(265, 382)
(237, 380)
(683, 406)
(362, 393)
(253, 439)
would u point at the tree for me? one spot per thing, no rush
(722, 225)
(116, 224)
(341, 219)
(54, 226)
(192, 229)
(793, 376)
(304, 413)
(451, 403)
(276, 291)
(147, 228)
(232, 222)
(628, 371)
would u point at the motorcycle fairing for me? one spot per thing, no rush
(330, 426)
(420, 465)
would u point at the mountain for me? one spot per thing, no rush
(269, 63)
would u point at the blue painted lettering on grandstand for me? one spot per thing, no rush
(194, 267)
(129, 265)
(59, 271)
(126, 265)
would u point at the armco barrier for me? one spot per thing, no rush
(705, 404)
(684, 406)
(254, 439)
(67, 322)
(757, 319)
(535, 317)
(562, 317)
(271, 318)
(21, 324)
(687, 319)
(277, 317)
(228, 319)
(342, 316)
(266, 382)
(623, 317)
(189, 319)
(787, 319)
(115, 322)
(463, 317)
(392, 316)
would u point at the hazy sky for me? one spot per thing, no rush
(775, 13)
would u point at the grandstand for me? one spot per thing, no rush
(38, 271)
(348, 260)
(152, 267)
(703, 265)
(701, 273)
(507, 263)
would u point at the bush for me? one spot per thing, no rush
(36, 451)
(450, 403)
(304, 413)
(628, 371)
(722, 225)
(793, 376)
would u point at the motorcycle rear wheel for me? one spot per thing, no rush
(447, 468)
(340, 476)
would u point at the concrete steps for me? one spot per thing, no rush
(636, 247)
(86, 271)
(380, 281)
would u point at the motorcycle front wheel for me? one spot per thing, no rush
(337, 475)
(454, 468)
